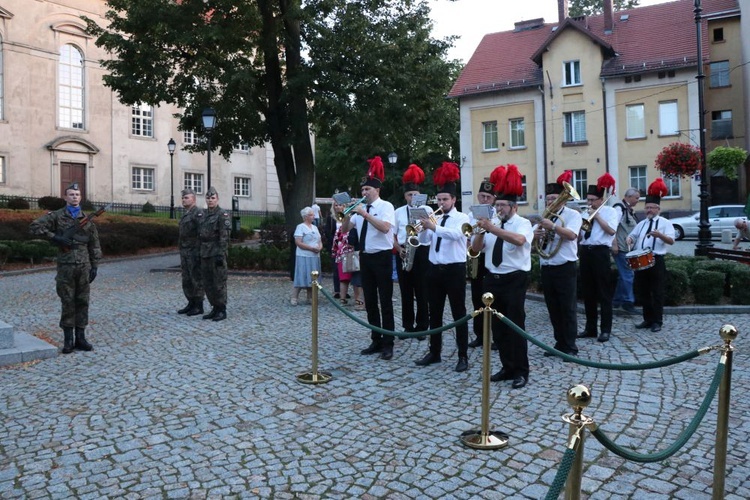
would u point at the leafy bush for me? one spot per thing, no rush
(148, 208)
(273, 232)
(740, 291)
(267, 258)
(33, 250)
(726, 267)
(50, 203)
(708, 286)
(677, 287)
(18, 204)
(4, 254)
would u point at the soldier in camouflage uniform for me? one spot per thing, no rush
(190, 255)
(76, 265)
(214, 240)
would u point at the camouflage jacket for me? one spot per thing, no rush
(214, 232)
(86, 248)
(189, 229)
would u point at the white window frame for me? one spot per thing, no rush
(3, 169)
(669, 119)
(243, 187)
(719, 74)
(142, 178)
(673, 186)
(574, 127)
(571, 73)
(242, 147)
(188, 137)
(194, 181)
(70, 88)
(142, 120)
(638, 178)
(524, 196)
(635, 117)
(517, 133)
(580, 180)
(489, 130)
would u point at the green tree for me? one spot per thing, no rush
(594, 7)
(275, 70)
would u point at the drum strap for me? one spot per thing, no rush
(653, 240)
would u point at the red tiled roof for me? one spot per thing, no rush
(653, 38)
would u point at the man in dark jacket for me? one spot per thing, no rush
(190, 255)
(214, 240)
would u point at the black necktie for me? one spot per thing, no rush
(440, 238)
(497, 252)
(363, 233)
(650, 225)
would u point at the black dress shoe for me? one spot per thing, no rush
(387, 353)
(643, 324)
(585, 334)
(519, 382)
(212, 314)
(656, 327)
(429, 359)
(372, 349)
(220, 316)
(603, 337)
(186, 308)
(477, 342)
(501, 375)
(463, 364)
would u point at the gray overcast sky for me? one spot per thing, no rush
(472, 19)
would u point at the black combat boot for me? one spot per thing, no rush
(81, 343)
(67, 341)
(212, 314)
(221, 314)
(196, 307)
(187, 308)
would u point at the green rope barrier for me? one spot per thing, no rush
(392, 333)
(681, 439)
(562, 475)
(596, 364)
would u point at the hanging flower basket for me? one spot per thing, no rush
(679, 159)
(727, 160)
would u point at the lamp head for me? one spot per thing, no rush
(209, 119)
(392, 158)
(171, 145)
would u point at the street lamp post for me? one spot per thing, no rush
(704, 231)
(209, 122)
(171, 145)
(392, 159)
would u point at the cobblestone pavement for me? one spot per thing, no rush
(173, 407)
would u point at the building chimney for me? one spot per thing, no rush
(562, 10)
(608, 16)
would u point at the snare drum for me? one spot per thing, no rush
(638, 260)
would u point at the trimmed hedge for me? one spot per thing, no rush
(677, 286)
(740, 285)
(708, 286)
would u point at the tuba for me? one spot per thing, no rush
(550, 212)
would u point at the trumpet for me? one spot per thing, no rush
(340, 216)
(588, 218)
(412, 230)
(470, 230)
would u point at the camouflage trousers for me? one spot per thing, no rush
(192, 283)
(214, 281)
(72, 283)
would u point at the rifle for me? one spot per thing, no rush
(70, 232)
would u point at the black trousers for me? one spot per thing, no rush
(376, 270)
(413, 286)
(448, 280)
(649, 290)
(596, 280)
(509, 291)
(477, 289)
(559, 286)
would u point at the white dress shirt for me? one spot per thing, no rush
(376, 241)
(569, 248)
(515, 257)
(402, 219)
(598, 236)
(453, 245)
(657, 245)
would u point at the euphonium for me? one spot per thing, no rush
(340, 216)
(550, 212)
(588, 218)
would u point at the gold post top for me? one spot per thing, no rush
(728, 333)
(579, 397)
(488, 299)
(315, 275)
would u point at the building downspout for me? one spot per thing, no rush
(544, 137)
(606, 137)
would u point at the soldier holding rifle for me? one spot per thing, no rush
(75, 234)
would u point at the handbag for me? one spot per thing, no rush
(350, 262)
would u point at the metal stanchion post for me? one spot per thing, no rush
(484, 439)
(579, 397)
(728, 334)
(314, 376)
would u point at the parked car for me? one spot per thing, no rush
(720, 217)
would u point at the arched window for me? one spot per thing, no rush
(70, 88)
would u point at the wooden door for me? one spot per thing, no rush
(70, 173)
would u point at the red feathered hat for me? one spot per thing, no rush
(445, 177)
(655, 191)
(513, 185)
(557, 187)
(605, 183)
(413, 177)
(497, 179)
(375, 174)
